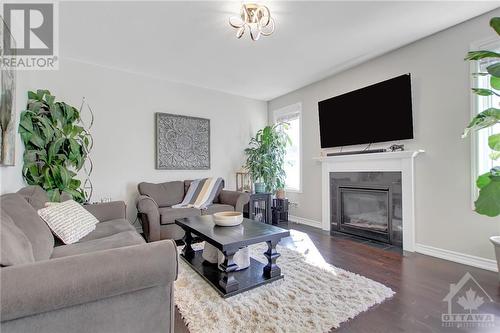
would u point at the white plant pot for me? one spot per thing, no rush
(496, 242)
(213, 255)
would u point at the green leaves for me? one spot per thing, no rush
(478, 55)
(65, 176)
(494, 144)
(495, 82)
(26, 122)
(32, 95)
(487, 118)
(488, 202)
(494, 69)
(54, 195)
(495, 24)
(56, 113)
(266, 156)
(54, 148)
(37, 140)
(483, 180)
(494, 141)
(55, 145)
(484, 92)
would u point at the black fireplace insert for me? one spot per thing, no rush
(367, 204)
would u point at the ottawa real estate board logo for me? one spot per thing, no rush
(29, 35)
(466, 300)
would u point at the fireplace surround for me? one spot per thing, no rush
(401, 161)
(367, 204)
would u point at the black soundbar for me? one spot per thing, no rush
(368, 151)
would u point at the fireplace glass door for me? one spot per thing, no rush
(365, 212)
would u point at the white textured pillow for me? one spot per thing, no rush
(68, 220)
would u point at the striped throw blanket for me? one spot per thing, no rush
(201, 193)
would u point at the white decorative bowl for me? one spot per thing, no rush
(227, 219)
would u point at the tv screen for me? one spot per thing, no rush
(377, 113)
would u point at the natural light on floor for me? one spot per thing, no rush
(302, 243)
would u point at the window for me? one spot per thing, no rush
(293, 161)
(481, 162)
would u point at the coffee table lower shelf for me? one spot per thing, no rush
(248, 278)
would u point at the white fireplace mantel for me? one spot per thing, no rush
(402, 161)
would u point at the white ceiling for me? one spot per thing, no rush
(192, 42)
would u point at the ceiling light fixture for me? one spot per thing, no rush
(256, 18)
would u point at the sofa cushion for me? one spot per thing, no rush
(68, 220)
(215, 208)
(168, 214)
(108, 228)
(35, 195)
(126, 238)
(165, 194)
(26, 218)
(14, 245)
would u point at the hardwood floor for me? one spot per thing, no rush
(420, 282)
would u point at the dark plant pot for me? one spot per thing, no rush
(260, 187)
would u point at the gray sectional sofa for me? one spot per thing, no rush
(109, 281)
(157, 216)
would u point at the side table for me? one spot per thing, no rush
(259, 208)
(280, 210)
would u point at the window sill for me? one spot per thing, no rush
(289, 190)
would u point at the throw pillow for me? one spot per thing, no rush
(68, 220)
(201, 193)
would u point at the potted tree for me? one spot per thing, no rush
(266, 158)
(488, 201)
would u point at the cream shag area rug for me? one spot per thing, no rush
(313, 297)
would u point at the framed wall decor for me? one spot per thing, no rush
(7, 104)
(182, 142)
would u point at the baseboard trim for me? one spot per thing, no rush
(461, 258)
(301, 220)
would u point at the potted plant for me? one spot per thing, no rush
(488, 201)
(266, 158)
(55, 146)
(280, 193)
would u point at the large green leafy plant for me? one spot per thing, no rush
(55, 145)
(266, 156)
(488, 202)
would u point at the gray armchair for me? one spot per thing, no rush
(154, 207)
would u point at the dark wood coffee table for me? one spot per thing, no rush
(229, 240)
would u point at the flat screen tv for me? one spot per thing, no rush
(377, 113)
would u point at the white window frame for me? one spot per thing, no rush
(291, 109)
(483, 44)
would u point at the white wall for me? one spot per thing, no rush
(441, 107)
(124, 130)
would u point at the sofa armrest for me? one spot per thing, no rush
(150, 217)
(235, 199)
(53, 284)
(108, 210)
